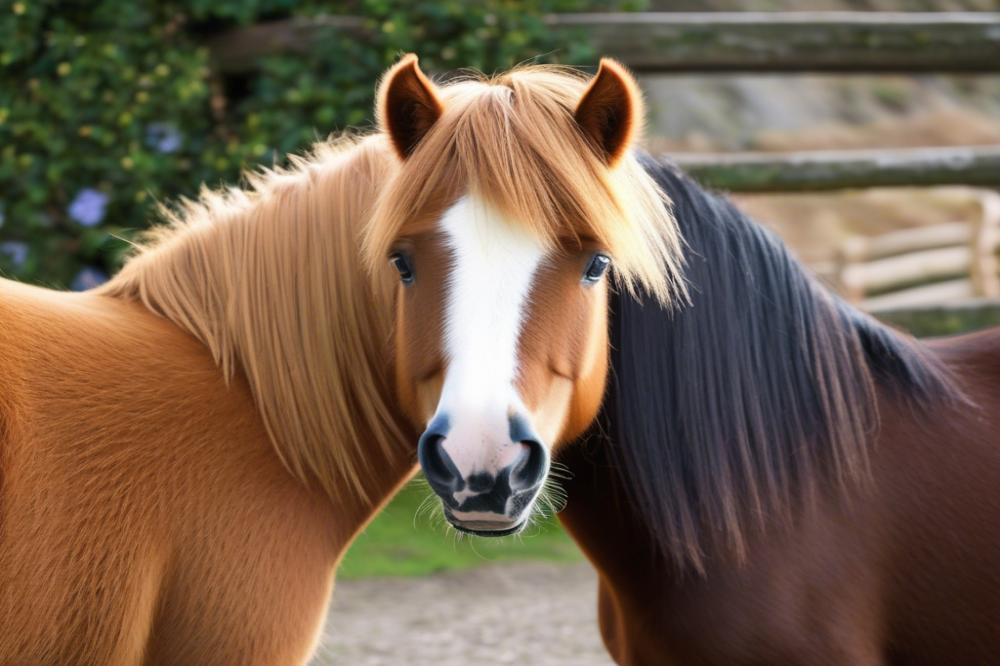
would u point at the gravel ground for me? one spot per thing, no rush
(533, 613)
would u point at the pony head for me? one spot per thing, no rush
(516, 206)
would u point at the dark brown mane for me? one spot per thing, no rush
(722, 414)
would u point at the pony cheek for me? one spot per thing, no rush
(550, 415)
(586, 396)
(592, 376)
(418, 388)
(427, 396)
(567, 380)
(418, 359)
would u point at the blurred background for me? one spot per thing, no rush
(110, 107)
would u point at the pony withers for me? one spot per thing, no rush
(775, 477)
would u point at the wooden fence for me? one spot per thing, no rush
(845, 42)
(710, 41)
(842, 169)
(936, 264)
(780, 42)
(795, 41)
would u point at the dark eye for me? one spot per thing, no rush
(596, 269)
(402, 264)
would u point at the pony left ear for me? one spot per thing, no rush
(408, 105)
(611, 111)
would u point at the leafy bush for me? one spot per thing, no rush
(109, 106)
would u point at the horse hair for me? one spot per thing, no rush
(723, 413)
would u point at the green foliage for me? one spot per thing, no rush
(110, 106)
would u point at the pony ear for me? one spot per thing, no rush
(610, 111)
(408, 105)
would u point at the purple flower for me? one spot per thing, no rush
(88, 278)
(164, 137)
(88, 206)
(16, 251)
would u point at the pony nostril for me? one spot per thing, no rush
(531, 466)
(438, 466)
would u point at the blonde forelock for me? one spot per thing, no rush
(512, 141)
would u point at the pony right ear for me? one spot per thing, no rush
(408, 105)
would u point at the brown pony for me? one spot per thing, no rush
(187, 451)
(777, 478)
(774, 477)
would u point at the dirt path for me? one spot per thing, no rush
(533, 613)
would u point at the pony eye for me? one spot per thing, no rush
(402, 265)
(596, 269)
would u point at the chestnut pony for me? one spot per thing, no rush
(774, 477)
(187, 451)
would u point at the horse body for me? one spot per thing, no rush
(907, 572)
(149, 513)
(900, 566)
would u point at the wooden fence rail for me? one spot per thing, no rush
(869, 42)
(840, 169)
(873, 42)
(940, 263)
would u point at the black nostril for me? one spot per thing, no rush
(438, 466)
(530, 468)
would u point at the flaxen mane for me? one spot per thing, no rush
(724, 413)
(313, 340)
(312, 336)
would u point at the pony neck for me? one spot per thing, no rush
(270, 281)
(730, 415)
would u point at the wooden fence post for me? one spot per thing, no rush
(985, 238)
(848, 282)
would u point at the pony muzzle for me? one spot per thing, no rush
(482, 500)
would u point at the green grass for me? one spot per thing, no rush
(399, 542)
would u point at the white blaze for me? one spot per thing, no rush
(486, 301)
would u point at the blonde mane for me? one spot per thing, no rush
(512, 141)
(269, 280)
